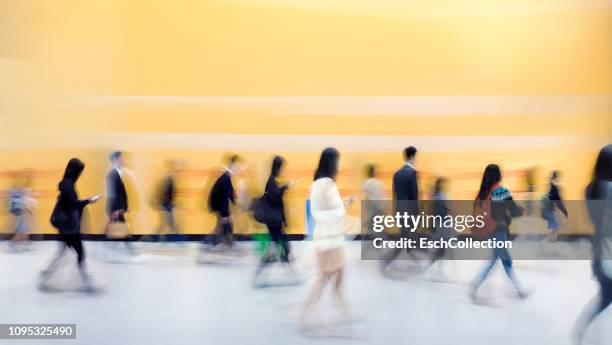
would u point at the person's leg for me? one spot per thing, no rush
(314, 295)
(286, 247)
(279, 238)
(391, 255)
(338, 295)
(266, 257)
(218, 231)
(80, 250)
(172, 224)
(480, 278)
(19, 229)
(506, 260)
(50, 270)
(228, 232)
(553, 225)
(596, 306)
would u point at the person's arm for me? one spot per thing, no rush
(414, 187)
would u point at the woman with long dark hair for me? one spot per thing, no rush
(599, 206)
(328, 211)
(275, 219)
(503, 209)
(66, 217)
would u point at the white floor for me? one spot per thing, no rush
(166, 297)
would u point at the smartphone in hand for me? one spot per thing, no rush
(95, 198)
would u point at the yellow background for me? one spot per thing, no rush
(69, 71)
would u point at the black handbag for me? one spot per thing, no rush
(65, 222)
(266, 213)
(261, 209)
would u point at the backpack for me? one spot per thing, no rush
(16, 203)
(482, 208)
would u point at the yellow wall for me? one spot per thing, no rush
(160, 79)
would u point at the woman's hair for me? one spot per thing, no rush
(602, 173)
(490, 177)
(603, 165)
(370, 170)
(74, 169)
(328, 164)
(277, 164)
(440, 181)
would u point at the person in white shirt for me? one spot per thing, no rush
(328, 211)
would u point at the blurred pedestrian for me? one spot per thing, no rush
(328, 211)
(21, 202)
(599, 206)
(550, 202)
(117, 201)
(502, 209)
(66, 218)
(272, 209)
(405, 201)
(221, 196)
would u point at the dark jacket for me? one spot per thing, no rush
(221, 194)
(117, 196)
(167, 195)
(406, 190)
(274, 197)
(69, 208)
(555, 199)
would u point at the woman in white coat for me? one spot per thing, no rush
(328, 211)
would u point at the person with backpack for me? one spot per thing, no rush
(551, 201)
(21, 201)
(502, 209)
(269, 209)
(599, 207)
(66, 218)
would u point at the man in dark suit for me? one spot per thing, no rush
(405, 184)
(221, 195)
(405, 198)
(117, 202)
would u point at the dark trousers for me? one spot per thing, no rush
(74, 242)
(278, 235)
(224, 232)
(278, 238)
(605, 288)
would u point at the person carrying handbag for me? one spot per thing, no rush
(66, 218)
(269, 209)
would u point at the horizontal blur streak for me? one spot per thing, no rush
(296, 143)
(386, 105)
